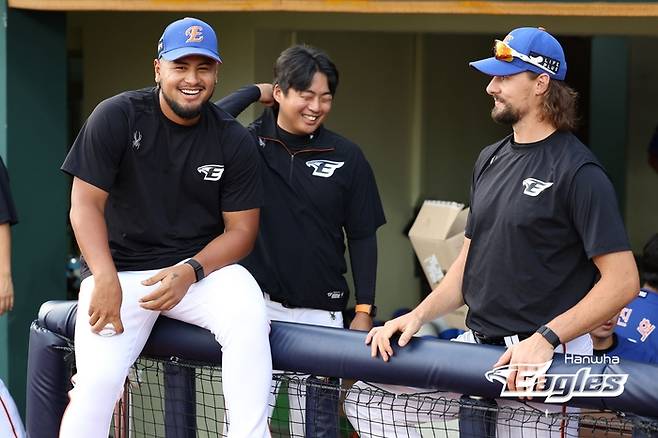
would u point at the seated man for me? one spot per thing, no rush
(165, 200)
(637, 321)
(607, 342)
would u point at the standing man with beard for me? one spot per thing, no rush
(165, 200)
(543, 224)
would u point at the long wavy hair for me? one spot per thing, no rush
(560, 106)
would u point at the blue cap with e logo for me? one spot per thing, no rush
(188, 36)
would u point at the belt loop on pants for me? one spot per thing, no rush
(481, 338)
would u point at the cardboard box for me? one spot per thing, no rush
(437, 236)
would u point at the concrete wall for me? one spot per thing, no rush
(406, 96)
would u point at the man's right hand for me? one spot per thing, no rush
(105, 305)
(379, 338)
(266, 94)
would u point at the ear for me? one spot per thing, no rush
(277, 93)
(541, 84)
(156, 70)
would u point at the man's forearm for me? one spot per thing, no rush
(234, 244)
(239, 100)
(447, 296)
(618, 285)
(363, 258)
(90, 230)
(227, 248)
(5, 250)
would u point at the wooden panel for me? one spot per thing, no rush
(592, 9)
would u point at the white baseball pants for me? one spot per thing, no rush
(296, 387)
(378, 411)
(228, 302)
(11, 425)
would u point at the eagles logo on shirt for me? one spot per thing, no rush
(211, 172)
(324, 168)
(534, 186)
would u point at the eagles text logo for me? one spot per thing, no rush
(211, 172)
(557, 388)
(194, 34)
(324, 168)
(534, 186)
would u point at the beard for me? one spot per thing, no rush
(186, 113)
(505, 116)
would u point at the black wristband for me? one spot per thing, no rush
(549, 335)
(198, 269)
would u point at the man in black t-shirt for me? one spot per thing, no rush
(165, 200)
(543, 224)
(320, 191)
(10, 420)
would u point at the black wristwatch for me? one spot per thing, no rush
(198, 269)
(549, 335)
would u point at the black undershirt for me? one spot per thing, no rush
(293, 141)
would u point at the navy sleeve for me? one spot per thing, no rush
(239, 100)
(96, 154)
(243, 187)
(364, 210)
(595, 213)
(7, 208)
(363, 258)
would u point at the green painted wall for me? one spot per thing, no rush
(4, 320)
(641, 179)
(36, 142)
(457, 122)
(609, 103)
(373, 107)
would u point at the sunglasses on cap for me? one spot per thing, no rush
(503, 52)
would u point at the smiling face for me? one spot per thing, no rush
(185, 85)
(301, 112)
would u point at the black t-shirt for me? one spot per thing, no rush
(168, 184)
(7, 208)
(539, 213)
(319, 190)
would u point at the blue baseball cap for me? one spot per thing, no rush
(541, 51)
(188, 36)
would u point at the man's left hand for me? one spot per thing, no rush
(528, 355)
(362, 321)
(7, 294)
(174, 283)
